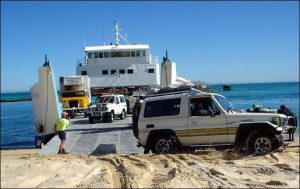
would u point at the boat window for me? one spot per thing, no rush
(83, 72)
(144, 53)
(104, 72)
(138, 53)
(117, 54)
(151, 70)
(96, 55)
(122, 54)
(113, 72)
(106, 54)
(121, 71)
(89, 55)
(100, 54)
(132, 53)
(113, 54)
(130, 71)
(127, 53)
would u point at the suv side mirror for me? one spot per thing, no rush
(211, 112)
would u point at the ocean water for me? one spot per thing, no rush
(15, 95)
(17, 127)
(269, 95)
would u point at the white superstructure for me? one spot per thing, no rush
(119, 66)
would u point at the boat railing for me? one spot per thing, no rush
(81, 62)
(152, 59)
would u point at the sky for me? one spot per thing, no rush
(215, 42)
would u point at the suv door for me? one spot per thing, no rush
(118, 109)
(206, 123)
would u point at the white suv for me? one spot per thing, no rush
(190, 118)
(106, 107)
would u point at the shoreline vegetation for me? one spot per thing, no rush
(205, 168)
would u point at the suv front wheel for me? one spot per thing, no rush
(122, 115)
(111, 117)
(260, 143)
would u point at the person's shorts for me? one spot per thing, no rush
(62, 135)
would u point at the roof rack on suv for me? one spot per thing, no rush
(176, 90)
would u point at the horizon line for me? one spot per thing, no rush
(265, 82)
(212, 83)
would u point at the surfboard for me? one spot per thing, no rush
(45, 104)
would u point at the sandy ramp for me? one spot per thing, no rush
(202, 169)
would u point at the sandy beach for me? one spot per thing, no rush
(201, 169)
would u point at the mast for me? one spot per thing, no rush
(166, 60)
(116, 33)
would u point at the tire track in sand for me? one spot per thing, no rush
(117, 179)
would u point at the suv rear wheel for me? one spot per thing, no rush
(164, 144)
(260, 143)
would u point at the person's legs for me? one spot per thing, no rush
(62, 143)
(61, 146)
(62, 137)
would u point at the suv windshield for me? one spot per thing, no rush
(224, 103)
(104, 99)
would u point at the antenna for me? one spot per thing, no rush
(102, 25)
(124, 38)
(117, 34)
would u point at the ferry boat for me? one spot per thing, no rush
(126, 67)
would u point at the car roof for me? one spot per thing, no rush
(172, 96)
